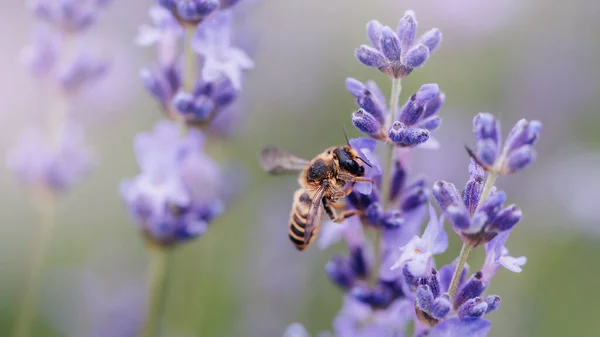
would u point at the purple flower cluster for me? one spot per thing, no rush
(180, 189)
(55, 159)
(205, 93)
(393, 280)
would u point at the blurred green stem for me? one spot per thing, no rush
(189, 72)
(386, 180)
(466, 249)
(159, 265)
(28, 305)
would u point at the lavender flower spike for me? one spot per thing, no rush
(213, 42)
(518, 151)
(418, 253)
(176, 195)
(396, 53)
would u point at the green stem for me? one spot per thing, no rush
(466, 249)
(386, 180)
(159, 263)
(28, 304)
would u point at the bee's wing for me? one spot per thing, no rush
(276, 160)
(313, 218)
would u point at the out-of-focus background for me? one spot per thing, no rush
(517, 59)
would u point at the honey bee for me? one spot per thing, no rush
(326, 178)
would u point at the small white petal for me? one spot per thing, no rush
(513, 264)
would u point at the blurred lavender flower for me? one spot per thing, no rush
(396, 53)
(192, 12)
(53, 166)
(68, 16)
(221, 59)
(455, 327)
(518, 151)
(178, 191)
(41, 56)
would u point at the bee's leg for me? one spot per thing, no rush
(338, 205)
(330, 210)
(353, 179)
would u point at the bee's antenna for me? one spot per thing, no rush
(365, 161)
(346, 134)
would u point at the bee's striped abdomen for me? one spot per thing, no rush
(298, 218)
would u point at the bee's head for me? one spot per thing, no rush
(348, 160)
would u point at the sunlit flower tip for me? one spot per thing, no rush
(296, 330)
(340, 272)
(522, 134)
(455, 327)
(431, 123)
(365, 122)
(471, 289)
(183, 102)
(441, 307)
(392, 219)
(506, 219)
(445, 194)
(519, 159)
(493, 302)
(369, 56)
(426, 93)
(374, 28)
(416, 56)
(431, 39)
(424, 298)
(355, 87)
(407, 30)
(194, 10)
(472, 309)
(389, 44)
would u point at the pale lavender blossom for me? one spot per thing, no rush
(213, 42)
(496, 256)
(69, 16)
(455, 327)
(165, 33)
(42, 54)
(177, 193)
(54, 165)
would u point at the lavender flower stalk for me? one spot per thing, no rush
(394, 279)
(50, 162)
(181, 190)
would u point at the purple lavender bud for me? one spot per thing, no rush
(183, 102)
(434, 105)
(374, 32)
(426, 93)
(365, 122)
(340, 272)
(487, 152)
(392, 219)
(203, 107)
(491, 206)
(441, 307)
(390, 44)
(416, 56)
(506, 219)
(458, 216)
(518, 160)
(471, 289)
(433, 282)
(370, 56)
(493, 302)
(374, 212)
(472, 309)
(410, 111)
(398, 180)
(355, 87)
(415, 198)
(369, 104)
(523, 133)
(378, 297)
(485, 126)
(194, 10)
(223, 93)
(476, 172)
(431, 39)
(424, 298)
(395, 132)
(155, 86)
(404, 136)
(472, 194)
(410, 279)
(407, 30)
(445, 194)
(359, 263)
(431, 123)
